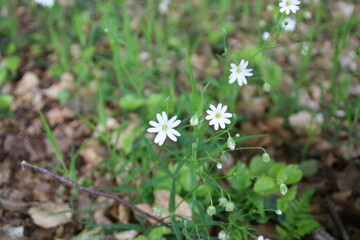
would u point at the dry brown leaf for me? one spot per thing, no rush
(255, 107)
(50, 214)
(11, 232)
(66, 83)
(92, 153)
(349, 178)
(148, 209)
(342, 10)
(100, 212)
(302, 121)
(162, 199)
(28, 82)
(126, 235)
(123, 214)
(58, 115)
(5, 170)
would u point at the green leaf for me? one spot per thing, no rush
(240, 177)
(289, 174)
(291, 193)
(12, 63)
(272, 74)
(140, 238)
(309, 167)
(265, 185)
(158, 232)
(131, 102)
(275, 168)
(256, 199)
(282, 204)
(258, 166)
(6, 100)
(3, 74)
(53, 142)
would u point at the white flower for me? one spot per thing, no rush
(164, 127)
(218, 116)
(262, 238)
(288, 24)
(223, 236)
(265, 36)
(278, 212)
(45, 3)
(240, 72)
(164, 6)
(289, 5)
(219, 165)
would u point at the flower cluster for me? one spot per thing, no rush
(164, 127)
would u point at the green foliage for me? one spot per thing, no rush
(298, 220)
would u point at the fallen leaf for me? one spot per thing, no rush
(303, 121)
(50, 215)
(126, 235)
(162, 198)
(58, 115)
(66, 83)
(28, 82)
(5, 171)
(11, 232)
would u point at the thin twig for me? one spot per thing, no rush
(331, 206)
(68, 182)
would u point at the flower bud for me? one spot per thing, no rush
(194, 120)
(223, 201)
(266, 157)
(266, 87)
(223, 236)
(219, 165)
(229, 207)
(278, 212)
(231, 143)
(283, 189)
(158, 210)
(211, 210)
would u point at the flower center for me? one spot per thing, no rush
(217, 115)
(238, 70)
(288, 3)
(164, 127)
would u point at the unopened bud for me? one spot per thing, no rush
(266, 157)
(229, 207)
(223, 201)
(283, 189)
(231, 143)
(194, 120)
(211, 210)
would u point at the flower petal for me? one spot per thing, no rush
(213, 121)
(160, 138)
(164, 115)
(172, 120)
(174, 124)
(173, 131)
(171, 136)
(233, 65)
(159, 118)
(154, 124)
(153, 130)
(222, 124)
(223, 110)
(212, 107)
(227, 115)
(216, 125)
